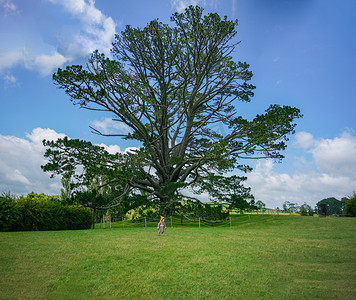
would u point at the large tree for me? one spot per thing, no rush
(177, 88)
(333, 206)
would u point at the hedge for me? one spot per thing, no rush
(41, 212)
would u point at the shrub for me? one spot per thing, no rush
(8, 212)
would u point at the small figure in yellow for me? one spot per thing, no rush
(161, 226)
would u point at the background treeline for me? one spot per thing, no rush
(41, 212)
(329, 206)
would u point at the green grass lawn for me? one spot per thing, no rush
(285, 257)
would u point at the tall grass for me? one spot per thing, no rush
(287, 257)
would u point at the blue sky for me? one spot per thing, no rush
(302, 53)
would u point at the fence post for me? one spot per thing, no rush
(123, 222)
(249, 220)
(230, 222)
(110, 221)
(145, 222)
(104, 221)
(199, 222)
(171, 223)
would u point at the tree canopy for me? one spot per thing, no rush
(174, 86)
(333, 206)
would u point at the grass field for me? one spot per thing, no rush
(285, 257)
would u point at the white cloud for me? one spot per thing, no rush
(75, 6)
(112, 149)
(21, 160)
(46, 64)
(93, 30)
(39, 134)
(303, 140)
(17, 176)
(108, 126)
(10, 59)
(336, 156)
(8, 7)
(9, 80)
(20, 163)
(96, 30)
(335, 162)
(43, 63)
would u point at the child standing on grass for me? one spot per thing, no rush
(161, 226)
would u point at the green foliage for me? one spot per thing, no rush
(333, 206)
(145, 210)
(91, 199)
(239, 203)
(350, 206)
(42, 212)
(205, 211)
(83, 164)
(8, 211)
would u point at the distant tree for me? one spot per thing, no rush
(350, 206)
(293, 207)
(290, 207)
(305, 210)
(286, 206)
(333, 206)
(260, 205)
(175, 88)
